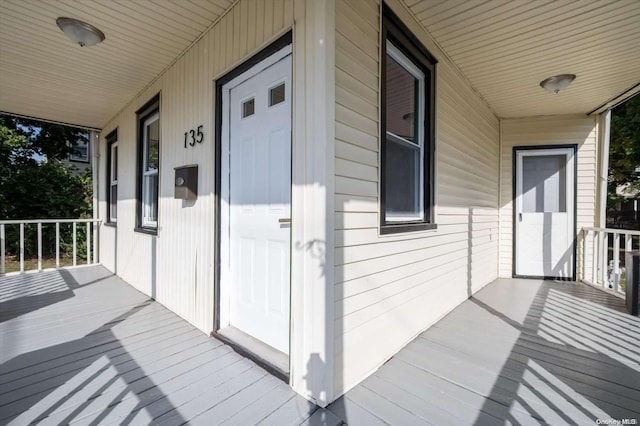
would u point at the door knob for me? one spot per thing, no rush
(284, 220)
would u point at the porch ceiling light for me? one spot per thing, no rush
(557, 82)
(80, 32)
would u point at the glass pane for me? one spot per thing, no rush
(248, 107)
(402, 187)
(544, 184)
(401, 105)
(114, 163)
(113, 204)
(276, 95)
(150, 198)
(153, 145)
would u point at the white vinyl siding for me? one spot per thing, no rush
(548, 130)
(390, 288)
(176, 267)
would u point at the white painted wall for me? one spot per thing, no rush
(389, 288)
(550, 130)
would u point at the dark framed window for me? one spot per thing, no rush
(81, 149)
(148, 165)
(407, 130)
(112, 177)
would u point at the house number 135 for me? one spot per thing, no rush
(193, 136)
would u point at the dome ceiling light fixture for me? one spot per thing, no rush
(557, 82)
(80, 32)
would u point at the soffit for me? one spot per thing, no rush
(43, 74)
(505, 48)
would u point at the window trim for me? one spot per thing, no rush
(112, 142)
(396, 34)
(148, 113)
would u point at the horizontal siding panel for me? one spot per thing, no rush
(355, 170)
(349, 186)
(347, 151)
(351, 203)
(354, 136)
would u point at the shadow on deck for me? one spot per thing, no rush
(82, 346)
(519, 352)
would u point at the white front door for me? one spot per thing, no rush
(544, 207)
(256, 234)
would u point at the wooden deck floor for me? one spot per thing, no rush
(519, 352)
(82, 347)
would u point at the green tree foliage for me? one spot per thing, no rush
(624, 146)
(34, 184)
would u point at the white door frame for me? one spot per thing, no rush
(225, 208)
(570, 150)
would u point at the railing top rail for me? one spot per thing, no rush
(27, 221)
(611, 230)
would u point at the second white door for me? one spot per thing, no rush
(259, 200)
(544, 206)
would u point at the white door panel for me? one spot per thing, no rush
(544, 213)
(257, 277)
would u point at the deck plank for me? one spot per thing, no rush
(82, 347)
(519, 352)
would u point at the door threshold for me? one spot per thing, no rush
(267, 357)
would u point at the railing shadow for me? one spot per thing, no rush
(51, 383)
(557, 371)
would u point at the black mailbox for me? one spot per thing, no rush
(632, 284)
(186, 182)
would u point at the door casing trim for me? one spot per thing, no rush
(573, 147)
(277, 50)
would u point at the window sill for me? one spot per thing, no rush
(148, 231)
(406, 227)
(111, 224)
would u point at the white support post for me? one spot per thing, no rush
(39, 246)
(312, 283)
(628, 243)
(585, 235)
(2, 268)
(57, 245)
(616, 261)
(88, 243)
(594, 259)
(22, 247)
(74, 244)
(602, 254)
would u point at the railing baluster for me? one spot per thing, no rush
(616, 260)
(74, 243)
(22, 247)
(2, 268)
(88, 243)
(39, 246)
(57, 245)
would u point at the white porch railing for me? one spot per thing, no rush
(602, 254)
(91, 237)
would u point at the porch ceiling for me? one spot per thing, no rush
(43, 74)
(506, 48)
